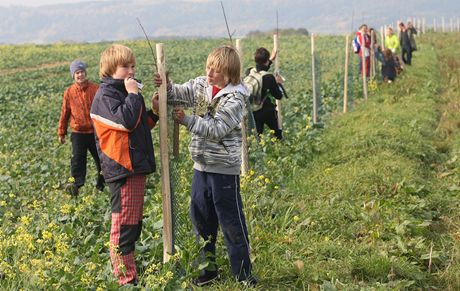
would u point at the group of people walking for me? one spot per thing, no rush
(113, 123)
(394, 54)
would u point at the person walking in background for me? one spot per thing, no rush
(412, 32)
(364, 42)
(264, 110)
(218, 100)
(388, 64)
(124, 143)
(76, 106)
(404, 41)
(392, 43)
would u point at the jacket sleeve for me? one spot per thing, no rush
(269, 82)
(226, 119)
(182, 94)
(65, 115)
(152, 119)
(119, 115)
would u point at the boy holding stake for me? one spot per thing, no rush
(218, 101)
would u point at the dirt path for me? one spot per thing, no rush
(5, 72)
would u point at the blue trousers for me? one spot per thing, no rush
(216, 200)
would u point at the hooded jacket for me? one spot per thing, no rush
(122, 126)
(215, 125)
(76, 105)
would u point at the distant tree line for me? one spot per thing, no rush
(284, 31)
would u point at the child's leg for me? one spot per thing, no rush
(93, 150)
(127, 210)
(229, 209)
(203, 215)
(78, 160)
(271, 119)
(258, 117)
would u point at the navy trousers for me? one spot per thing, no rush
(215, 201)
(81, 144)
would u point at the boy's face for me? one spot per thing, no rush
(124, 72)
(215, 78)
(80, 76)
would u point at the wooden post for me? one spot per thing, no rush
(382, 37)
(372, 58)
(363, 68)
(434, 24)
(277, 70)
(423, 25)
(443, 25)
(313, 78)
(244, 128)
(168, 242)
(345, 78)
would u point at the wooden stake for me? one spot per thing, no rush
(345, 78)
(443, 25)
(313, 78)
(372, 58)
(277, 69)
(244, 128)
(423, 25)
(382, 37)
(364, 68)
(168, 242)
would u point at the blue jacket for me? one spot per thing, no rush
(122, 126)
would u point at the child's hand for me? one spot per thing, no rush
(273, 54)
(131, 86)
(62, 139)
(157, 80)
(178, 114)
(155, 103)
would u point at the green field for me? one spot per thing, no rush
(367, 201)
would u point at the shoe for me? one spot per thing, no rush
(206, 279)
(72, 189)
(100, 183)
(250, 281)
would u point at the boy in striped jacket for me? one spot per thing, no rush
(218, 102)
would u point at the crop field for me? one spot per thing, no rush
(366, 200)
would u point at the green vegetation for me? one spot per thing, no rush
(369, 201)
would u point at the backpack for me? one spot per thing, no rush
(356, 45)
(253, 82)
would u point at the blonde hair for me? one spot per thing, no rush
(226, 60)
(114, 56)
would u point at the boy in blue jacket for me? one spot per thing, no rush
(124, 143)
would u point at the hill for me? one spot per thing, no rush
(116, 20)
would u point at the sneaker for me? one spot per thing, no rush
(206, 279)
(250, 281)
(72, 189)
(100, 183)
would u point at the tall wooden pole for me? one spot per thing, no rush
(443, 25)
(277, 70)
(244, 128)
(372, 58)
(168, 241)
(345, 78)
(382, 37)
(313, 78)
(364, 68)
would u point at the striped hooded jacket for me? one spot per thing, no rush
(122, 126)
(215, 146)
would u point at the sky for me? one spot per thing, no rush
(39, 2)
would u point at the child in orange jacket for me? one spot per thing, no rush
(76, 105)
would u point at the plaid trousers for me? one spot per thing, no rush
(127, 210)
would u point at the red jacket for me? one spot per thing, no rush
(367, 44)
(76, 105)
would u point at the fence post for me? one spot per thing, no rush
(168, 242)
(313, 77)
(244, 128)
(277, 70)
(345, 78)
